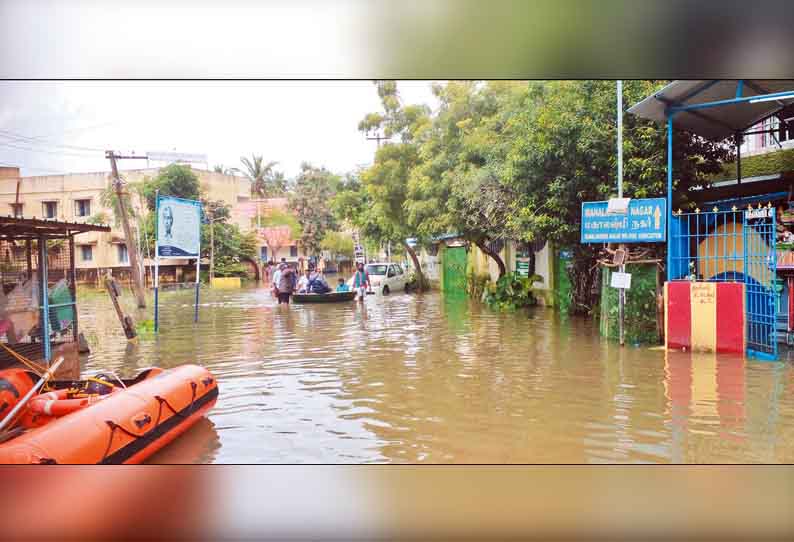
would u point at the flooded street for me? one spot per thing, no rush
(410, 378)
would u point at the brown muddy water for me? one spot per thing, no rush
(429, 379)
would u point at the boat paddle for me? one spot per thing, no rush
(46, 376)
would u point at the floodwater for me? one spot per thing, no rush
(424, 378)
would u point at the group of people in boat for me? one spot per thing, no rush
(286, 281)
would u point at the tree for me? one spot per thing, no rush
(311, 202)
(338, 243)
(220, 168)
(385, 183)
(265, 181)
(562, 152)
(173, 180)
(276, 237)
(457, 187)
(223, 242)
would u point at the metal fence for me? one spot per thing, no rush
(32, 324)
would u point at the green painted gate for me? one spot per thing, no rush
(454, 270)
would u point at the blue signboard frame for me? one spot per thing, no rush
(175, 252)
(644, 222)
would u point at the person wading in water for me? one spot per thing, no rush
(361, 281)
(286, 283)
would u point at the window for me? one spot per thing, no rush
(293, 251)
(398, 268)
(82, 207)
(50, 209)
(376, 269)
(16, 209)
(86, 253)
(263, 253)
(122, 252)
(391, 272)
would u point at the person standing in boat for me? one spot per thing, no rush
(361, 281)
(286, 283)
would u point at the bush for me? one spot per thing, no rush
(477, 284)
(512, 291)
(412, 282)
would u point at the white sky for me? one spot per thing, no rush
(286, 121)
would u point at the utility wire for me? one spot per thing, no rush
(63, 153)
(37, 141)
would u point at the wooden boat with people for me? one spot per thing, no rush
(103, 419)
(330, 297)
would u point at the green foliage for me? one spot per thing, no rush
(173, 180)
(99, 218)
(231, 244)
(311, 202)
(277, 217)
(220, 168)
(338, 243)
(762, 164)
(640, 311)
(477, 284)
(109, 198)
(512, 291)
(266, 182)
(416, 281)
(145, 328)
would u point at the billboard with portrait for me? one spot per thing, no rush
(178, 227)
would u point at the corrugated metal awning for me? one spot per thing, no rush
(715, 123)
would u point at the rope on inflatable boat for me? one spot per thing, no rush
(161, 400)
(32, 365)
(113, 426)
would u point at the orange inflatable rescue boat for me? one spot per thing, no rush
(102, 420)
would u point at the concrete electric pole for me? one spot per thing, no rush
(132, 247)
(621, 291)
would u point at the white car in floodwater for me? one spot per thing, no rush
(385, 277)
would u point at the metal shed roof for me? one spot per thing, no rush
(23, 228)
(715, 123)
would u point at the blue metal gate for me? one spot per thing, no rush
(759, 278)
(728, 244)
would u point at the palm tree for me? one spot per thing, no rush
(264, 180)
(220, 168)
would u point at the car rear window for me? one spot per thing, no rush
(376, 269)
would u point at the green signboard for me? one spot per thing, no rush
(522, 267)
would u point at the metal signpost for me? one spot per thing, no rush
(178, 236)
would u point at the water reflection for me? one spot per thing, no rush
(424, 378)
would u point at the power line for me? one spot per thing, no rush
(38, 142)
(63, 153)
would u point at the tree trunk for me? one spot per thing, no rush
(584, 276)
(494, 255)
(414, 258)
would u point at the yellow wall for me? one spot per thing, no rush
(226, 282)
(723, 250)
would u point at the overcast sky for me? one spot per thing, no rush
(72, 122)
